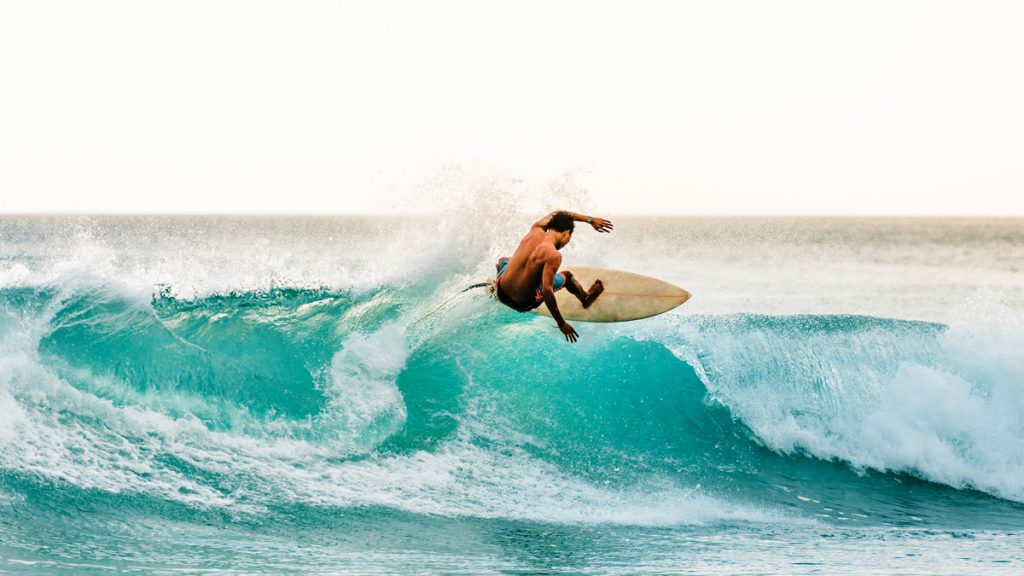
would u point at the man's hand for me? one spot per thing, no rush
(600, 224)
(569, 331)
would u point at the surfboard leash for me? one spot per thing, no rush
(445, 303)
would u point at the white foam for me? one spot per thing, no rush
(947, 406)
(363, 395)
(17, 274)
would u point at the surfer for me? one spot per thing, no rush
(531, 277)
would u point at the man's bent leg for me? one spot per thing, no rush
(586, 298)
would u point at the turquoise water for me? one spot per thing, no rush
(259, 395)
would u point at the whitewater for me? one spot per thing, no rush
(273, 395)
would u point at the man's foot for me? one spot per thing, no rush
(595, 290)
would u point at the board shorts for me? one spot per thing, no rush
(505, 299)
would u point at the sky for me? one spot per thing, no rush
(693, 108)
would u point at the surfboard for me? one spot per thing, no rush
(627, 296)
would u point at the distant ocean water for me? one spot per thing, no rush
(255, 395)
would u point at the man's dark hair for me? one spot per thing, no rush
(560, 222)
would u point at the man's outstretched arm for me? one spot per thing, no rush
(599, 224)
(547, 280)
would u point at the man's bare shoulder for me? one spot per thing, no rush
(548, 253)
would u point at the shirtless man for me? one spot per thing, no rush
(530, 278)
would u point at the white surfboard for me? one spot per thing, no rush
(626, 296)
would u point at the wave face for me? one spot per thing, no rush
(278, 400)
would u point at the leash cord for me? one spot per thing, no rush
(443, 304)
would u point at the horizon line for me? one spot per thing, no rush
(525, 214)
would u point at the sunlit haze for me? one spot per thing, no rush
(852, 108)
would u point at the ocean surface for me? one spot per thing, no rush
(269, 395)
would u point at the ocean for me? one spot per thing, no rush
(271, 395)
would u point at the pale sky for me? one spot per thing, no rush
(848, 108)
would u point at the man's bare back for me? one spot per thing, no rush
(530, 277)
(523, 274)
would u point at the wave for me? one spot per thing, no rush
(246, 400)
(942, 403)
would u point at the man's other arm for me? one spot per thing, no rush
(599, 224)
